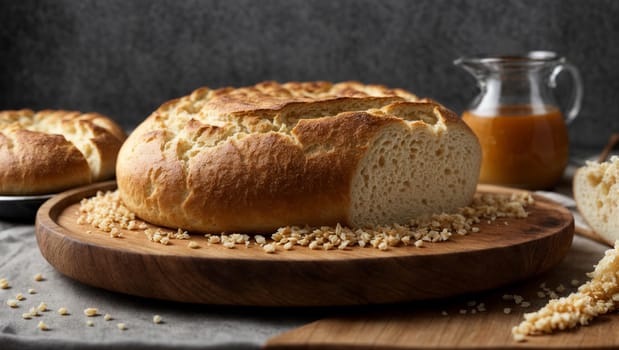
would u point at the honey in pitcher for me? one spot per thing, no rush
(521, 147)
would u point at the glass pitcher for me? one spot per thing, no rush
(521, 129)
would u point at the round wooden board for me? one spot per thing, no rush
(503, 252)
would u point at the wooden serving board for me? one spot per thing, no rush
(502, 252)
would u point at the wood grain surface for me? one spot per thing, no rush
(502, 252)
(422, 325)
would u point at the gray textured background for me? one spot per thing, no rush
(124, 58)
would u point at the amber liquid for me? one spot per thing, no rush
(521, 148)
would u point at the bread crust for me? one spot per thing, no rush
(52, 150)
(257, 158)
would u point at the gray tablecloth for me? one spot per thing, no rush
(185, 325)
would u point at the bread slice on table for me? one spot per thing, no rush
(257, 158)
(596, 192)
(53, 150)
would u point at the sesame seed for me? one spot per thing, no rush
(33, 312)
(107, 317)
(471, 303)
(4, 283)
(507, 310)
(518, 299)
(12, 303)
(269, 248)
(121, 326)
(575, 283)
(31, 291)
(42, 326)
(26, 316)
(20, 296)
(89, 323)
(38, 277)
(462, 311)
(229, 244)
(91, 311)
(525, 304)
(541, 295)
(419, 243)
(157, 319)
(444, 313)
(42, 307)
(193, 245)
(63, 311)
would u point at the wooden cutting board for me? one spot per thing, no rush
(423, 326)
(501, 253)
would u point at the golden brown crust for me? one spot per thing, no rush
(52, 150)
(256, 158)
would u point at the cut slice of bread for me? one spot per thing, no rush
(257, 158)
(596, 192)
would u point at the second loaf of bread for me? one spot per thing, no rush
(261, 157)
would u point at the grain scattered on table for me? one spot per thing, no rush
(91, 311)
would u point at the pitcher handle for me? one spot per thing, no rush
(577, 92)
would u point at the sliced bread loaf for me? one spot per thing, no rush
(596, 192)
(257, 158)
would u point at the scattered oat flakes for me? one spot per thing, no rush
(594, 298)
(33, 312)
(42, 307)
(430, 228)
(518, 299)
(269, 248)
(91, 311)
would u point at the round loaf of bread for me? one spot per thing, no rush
(50, 151)
(257, 158)
(596, 192)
